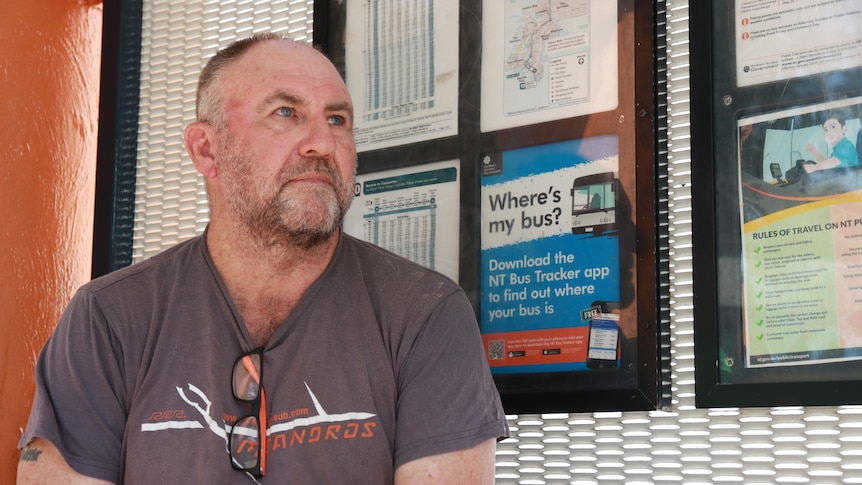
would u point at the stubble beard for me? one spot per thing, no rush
(281, 212)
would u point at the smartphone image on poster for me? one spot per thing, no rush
(603, 341)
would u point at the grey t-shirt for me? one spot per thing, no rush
(380, 363)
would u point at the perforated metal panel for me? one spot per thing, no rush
(683, 445)
(177, 40)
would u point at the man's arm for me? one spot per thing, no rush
(823, 164)
(42, 463)
(473, 465)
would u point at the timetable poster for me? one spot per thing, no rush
(801, 192)
(401, 65)
(550, 252)
(413, 212)
(547, 60)
(779, 40)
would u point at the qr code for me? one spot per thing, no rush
(496, 350)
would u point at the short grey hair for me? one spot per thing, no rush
(209, 106)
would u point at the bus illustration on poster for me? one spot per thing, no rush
(550, 265)
(594, 203)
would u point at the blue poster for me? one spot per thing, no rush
(550, 252)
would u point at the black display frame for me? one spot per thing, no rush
(639, 122)
(718, 104)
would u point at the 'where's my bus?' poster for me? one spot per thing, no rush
(550, 255)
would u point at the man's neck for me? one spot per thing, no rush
(265, 282)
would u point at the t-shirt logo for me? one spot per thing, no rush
(286, 429)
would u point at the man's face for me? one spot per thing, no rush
(286, 158)
(833, 131)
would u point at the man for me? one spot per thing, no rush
(273, 347)
(843, 152)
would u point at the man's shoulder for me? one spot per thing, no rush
(403, 294)
(846, 148)
(386, 273)
(155, 268)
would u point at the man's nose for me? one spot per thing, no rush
(317, 139)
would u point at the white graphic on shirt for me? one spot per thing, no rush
(223, 431)
(204, 408)
(208, 419)
(322, 417)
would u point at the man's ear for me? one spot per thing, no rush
(200, 139)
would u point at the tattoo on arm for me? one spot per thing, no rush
(30, 454)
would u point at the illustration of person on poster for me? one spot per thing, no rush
(550, 264)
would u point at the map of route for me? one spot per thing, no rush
(546, 54)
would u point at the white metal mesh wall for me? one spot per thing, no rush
(176, 40)
(685, 445)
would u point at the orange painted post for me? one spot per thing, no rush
(49, 92)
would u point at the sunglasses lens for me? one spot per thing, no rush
(246, 377)
(244, 446)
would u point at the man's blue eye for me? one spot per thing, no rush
(286, 112)
(336, 120)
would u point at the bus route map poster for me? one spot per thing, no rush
(550, 257)
(548, 60)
